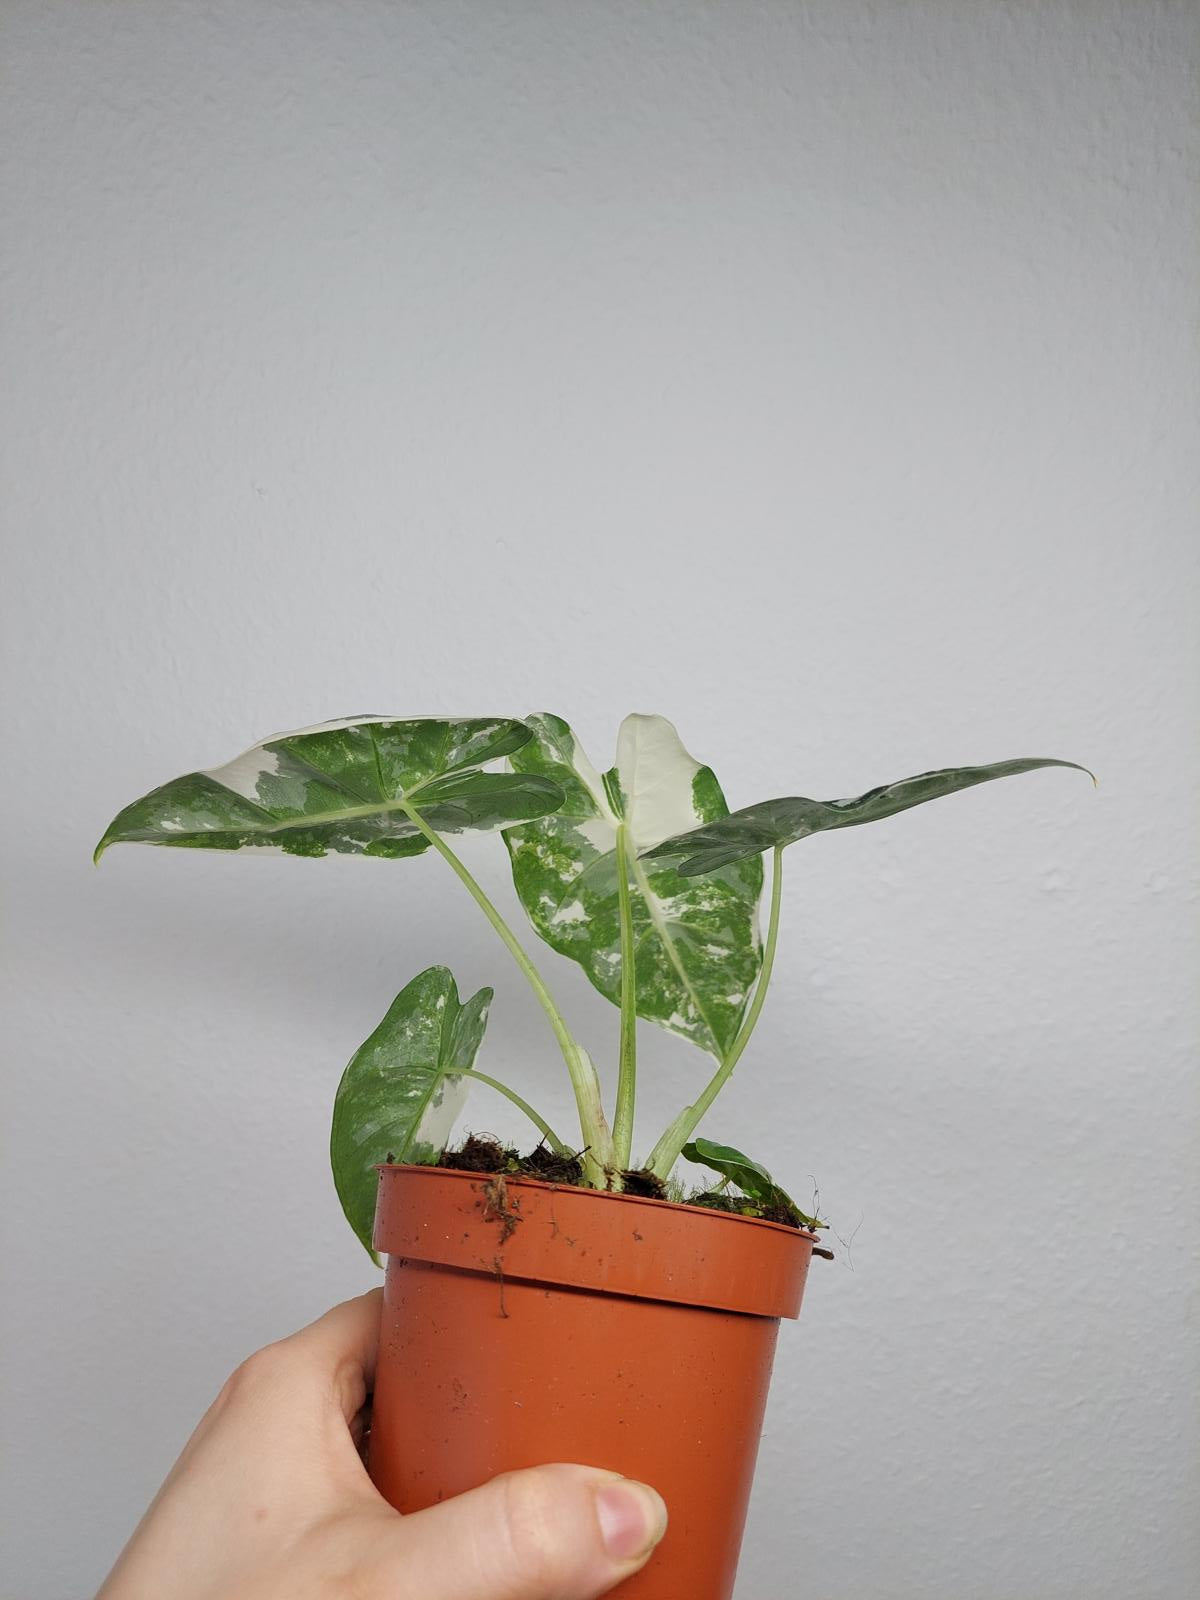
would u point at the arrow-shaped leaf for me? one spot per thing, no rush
(696, 946)
(346, 786)
(751, 1178)
(747, 833)
(400, 1095)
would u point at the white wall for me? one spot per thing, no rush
(820, 375)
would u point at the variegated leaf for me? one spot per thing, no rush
(403, 1089)
(744, 835)
(345, 786)
(697, 949)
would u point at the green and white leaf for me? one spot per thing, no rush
(744, 834)
(403, 1089)
(749, 1176)
(346, 786)
(697, 949)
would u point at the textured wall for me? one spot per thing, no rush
(820, 375)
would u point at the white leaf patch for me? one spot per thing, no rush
(695, 942)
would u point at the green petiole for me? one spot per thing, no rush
(597, 1140)
(627, 1072)
(539, 1122)
(668, 1149)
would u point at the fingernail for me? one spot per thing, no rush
(632, 1518)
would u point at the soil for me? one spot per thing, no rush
(739, 1206)
(647, 1184)
(548, 1165)
(480, 1152)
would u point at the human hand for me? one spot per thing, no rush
(270, 1501)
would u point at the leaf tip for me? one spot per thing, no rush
(1079, 767)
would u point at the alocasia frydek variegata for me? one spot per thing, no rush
(641, 874)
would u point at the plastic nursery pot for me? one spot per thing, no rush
(526, 1323)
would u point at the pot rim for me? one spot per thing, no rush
(600, 1194)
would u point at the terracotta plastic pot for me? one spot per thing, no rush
(525, 1323)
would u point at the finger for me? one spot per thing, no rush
(548, 1533)
(341, 1348)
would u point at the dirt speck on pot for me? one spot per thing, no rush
(496, 1207)
(498, 1269)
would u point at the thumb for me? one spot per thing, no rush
(547, 1533)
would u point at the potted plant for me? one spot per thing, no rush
(578, 1302)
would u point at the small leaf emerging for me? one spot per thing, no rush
(772, 823)
(751, 1178)
(400, 1095)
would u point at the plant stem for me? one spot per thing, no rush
(596, 1137)
(539, 1122)
(666, 1152)
(627, 1076)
